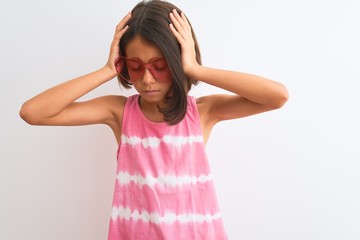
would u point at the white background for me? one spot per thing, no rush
(288, 174)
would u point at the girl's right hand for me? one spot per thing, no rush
(114, 48)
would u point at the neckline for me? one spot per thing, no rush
(138, 108)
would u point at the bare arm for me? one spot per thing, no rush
(57, 106)
(254, 94)
(53, 106)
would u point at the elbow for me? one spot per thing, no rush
(27, 114)
(281, 98)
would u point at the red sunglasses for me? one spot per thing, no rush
(135, 69)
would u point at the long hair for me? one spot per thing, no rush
(150, 20)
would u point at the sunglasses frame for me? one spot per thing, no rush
(124, 72)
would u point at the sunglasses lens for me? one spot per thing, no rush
(160, 70)
(135, 69)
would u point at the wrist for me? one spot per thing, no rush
(195, 72)
(108, 72)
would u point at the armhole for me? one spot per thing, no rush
(196, 114)
(123, 119)
(130, 102)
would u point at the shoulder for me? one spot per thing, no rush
(204, 106)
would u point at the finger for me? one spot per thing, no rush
(114, 49)
(181, 24)
(181, 18)
(177, 20)
(121, 32)
(123, 21)
(118, 36)
(121, 29)
(177, 34)
(184, 18)
(177, 31)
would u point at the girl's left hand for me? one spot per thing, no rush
(182, 31)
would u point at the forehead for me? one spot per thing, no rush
(142, 49)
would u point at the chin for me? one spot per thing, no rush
(153, 99)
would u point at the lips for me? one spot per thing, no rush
(151, 92)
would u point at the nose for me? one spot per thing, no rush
(148, 77)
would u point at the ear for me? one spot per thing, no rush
(119, 63)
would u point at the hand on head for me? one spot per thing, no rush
(114, 48)
(183, 33)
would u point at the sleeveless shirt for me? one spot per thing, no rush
(163, 188)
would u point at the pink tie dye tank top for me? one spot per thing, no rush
(163, 189)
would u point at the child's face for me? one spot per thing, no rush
(153, 81)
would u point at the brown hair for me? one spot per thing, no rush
(150, 20)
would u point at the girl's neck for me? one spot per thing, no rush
(151, 110)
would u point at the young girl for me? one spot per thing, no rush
(163, 188)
